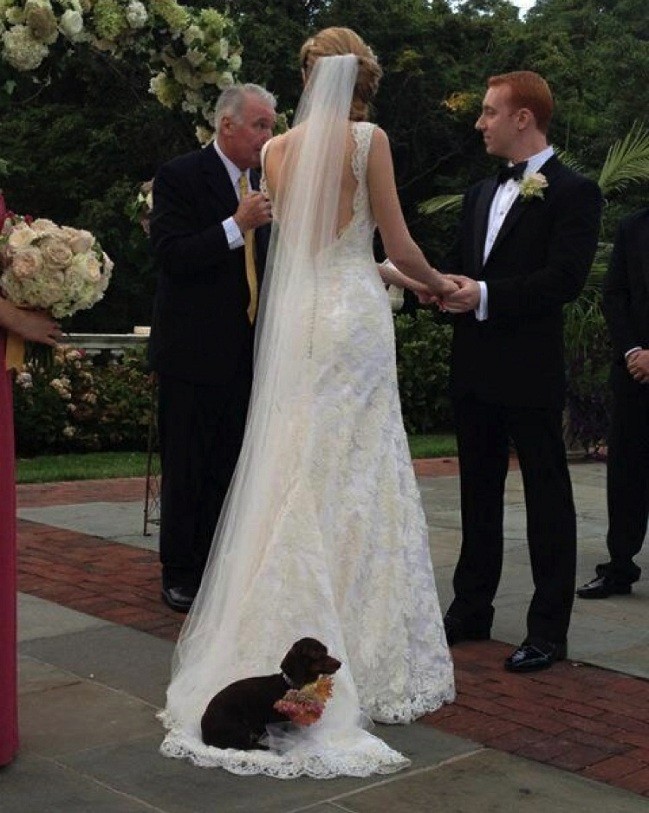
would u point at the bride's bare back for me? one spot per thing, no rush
(384, 202)
(273, 160)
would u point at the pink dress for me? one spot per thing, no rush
(8, 680)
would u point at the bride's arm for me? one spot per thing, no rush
(391, 275)
(397, 242)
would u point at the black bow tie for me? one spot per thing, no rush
(514, 172)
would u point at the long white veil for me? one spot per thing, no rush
(268, 491)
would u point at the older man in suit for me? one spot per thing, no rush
(527, 239)
(625, 303)
(209, 231)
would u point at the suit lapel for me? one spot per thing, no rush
(218, 179)
(483, 204)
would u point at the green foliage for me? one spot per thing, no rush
(75, 405)
(627, 161)
(423, 346)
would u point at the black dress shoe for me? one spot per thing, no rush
(457, 630)
(530, 657)
(603, 587)
(178, 598)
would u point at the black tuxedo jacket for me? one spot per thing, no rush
(625, 299)
(539, 261)
(200, 330)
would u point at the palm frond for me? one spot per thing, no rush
(627, 160)
(569, 160)
(448, 203)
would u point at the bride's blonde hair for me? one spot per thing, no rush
(337, 42)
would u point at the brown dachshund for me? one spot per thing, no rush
(237, 716)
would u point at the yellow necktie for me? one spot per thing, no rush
(249, 242)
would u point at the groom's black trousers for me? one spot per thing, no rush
(483, 433)
(200, 429)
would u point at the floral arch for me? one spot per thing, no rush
(192, 54)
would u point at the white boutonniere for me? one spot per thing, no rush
(532, 186)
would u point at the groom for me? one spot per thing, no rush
(526, 241)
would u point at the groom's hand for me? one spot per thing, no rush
(638, 365)
(466, 298)
(254, 210)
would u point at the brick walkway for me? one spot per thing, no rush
(579, 718)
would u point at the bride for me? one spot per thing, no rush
(323, 532)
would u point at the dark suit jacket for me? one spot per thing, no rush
(539, 261)
(200, 330)
(625, 299)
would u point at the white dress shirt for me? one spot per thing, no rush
(232, 231)
(502, 202)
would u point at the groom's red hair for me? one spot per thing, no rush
(530, 90)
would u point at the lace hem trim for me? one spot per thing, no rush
(363, 756)
(411, 710)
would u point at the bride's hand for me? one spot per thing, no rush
(441, 287)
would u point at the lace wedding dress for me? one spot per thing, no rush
(330, 542)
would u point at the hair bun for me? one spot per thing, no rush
(337, 41)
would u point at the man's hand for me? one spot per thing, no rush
(638, 365)
(466, 298)
(254, 210)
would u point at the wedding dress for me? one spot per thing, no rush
(323, 533)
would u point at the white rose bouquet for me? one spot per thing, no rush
(52, 268)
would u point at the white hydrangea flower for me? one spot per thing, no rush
(24, 380)
(71, 25)
(194, 57)
(136, 14)
(22, 50)
(15, 15)
(226, 79)
(193, 34)
(203, 135)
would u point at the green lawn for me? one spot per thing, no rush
(89, 466)
(104, 465)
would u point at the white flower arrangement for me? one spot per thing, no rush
(532, 186)
(54, 268)
(200, 52)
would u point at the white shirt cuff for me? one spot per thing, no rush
(632, 350)
(482, 311)
(233, 233)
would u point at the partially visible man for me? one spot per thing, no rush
(625, 304)
(203, 325)
(526, 242)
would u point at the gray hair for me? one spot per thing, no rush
(231, 101)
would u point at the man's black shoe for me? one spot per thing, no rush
(457, 630)
(603, 587)
(530, 657)
(178, 598)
